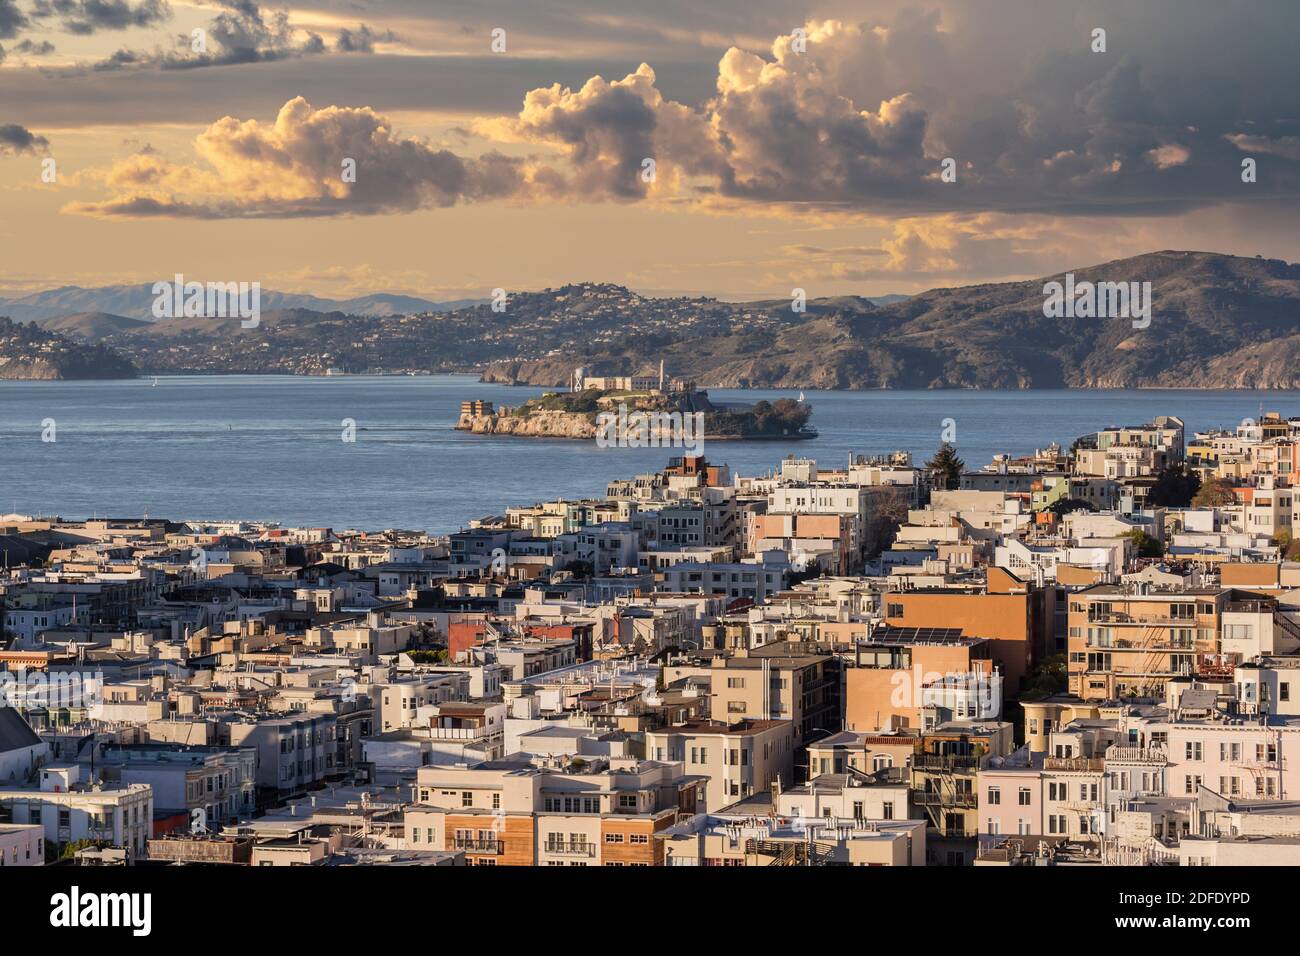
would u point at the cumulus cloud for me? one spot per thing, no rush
(607, 131)
(294, 168)
(16, 139)
(861, 118)
(791, 133)
(852, 119)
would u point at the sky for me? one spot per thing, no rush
(740, 149)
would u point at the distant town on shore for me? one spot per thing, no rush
(1217, 321)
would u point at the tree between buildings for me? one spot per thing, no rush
(1215, 493)
(946, 467)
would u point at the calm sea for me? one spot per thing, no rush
(269, 447)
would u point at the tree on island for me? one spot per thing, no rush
(946, 467)
(1215, 493)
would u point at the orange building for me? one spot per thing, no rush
(885, 688)
(1016, 619)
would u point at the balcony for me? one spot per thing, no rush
(1130, 621)
(1074, 763)
(1125, 644)
(924, 798)
(1146, 755)
(480, 846)
(570, 849)
(951, 833)
(946, 761)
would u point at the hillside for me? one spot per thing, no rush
(1217, 322)
(90, 326)
(30, 352)
(564, 321)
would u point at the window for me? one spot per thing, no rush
(995, 796)
(1024, 796)
(613, 838)
(1193, 750)
(467, 798)
(1284, 690)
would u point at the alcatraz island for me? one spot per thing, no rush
(637, 409)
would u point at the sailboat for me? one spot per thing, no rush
(801, 396)
(155, 381)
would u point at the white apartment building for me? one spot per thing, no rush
(70, 808)
(22, 844)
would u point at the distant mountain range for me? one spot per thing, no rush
(1217, 321)
(136, 302)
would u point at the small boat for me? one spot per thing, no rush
(155, 381)
(801, 396)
